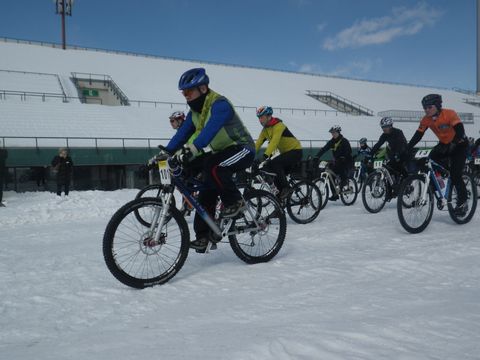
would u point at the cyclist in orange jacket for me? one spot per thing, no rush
(452, 146)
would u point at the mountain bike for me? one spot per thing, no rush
(361, 173)
(329, 185)
(142, 256)
(303, 202)
(154, 190)
(381, 186)
(417, 193)
(473, 168)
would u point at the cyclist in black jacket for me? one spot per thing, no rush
(397, 149)
(342, 154)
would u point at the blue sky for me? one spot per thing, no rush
(417, 42)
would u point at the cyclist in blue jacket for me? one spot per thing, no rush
(216, 127)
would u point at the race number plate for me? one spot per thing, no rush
(377, 164)
(477, 161)
(323, 164)
(164, 172)
(358, 164)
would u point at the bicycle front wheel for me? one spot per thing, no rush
(322, 185)
(476, 181)
(135, 254)
(152, 190)
(374, 193)
(261, 230)
(414, 211)
(349, 195)
(471, 200)
(304, 202)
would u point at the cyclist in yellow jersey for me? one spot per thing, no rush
(280, 138)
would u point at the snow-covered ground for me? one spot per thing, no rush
(351, 285)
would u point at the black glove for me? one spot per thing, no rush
(186, 154)
(162, 148)
(255, 163)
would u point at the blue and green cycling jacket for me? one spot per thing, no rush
(217, 126)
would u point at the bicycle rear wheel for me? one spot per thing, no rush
(374, 193)
(471, 201)
(131, 252)
(254, 245)
(304, 203)
(413, 211)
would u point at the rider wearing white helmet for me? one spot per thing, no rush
(342, 154)
(176, 119)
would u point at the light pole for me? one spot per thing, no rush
(64, 7)
(478, 47)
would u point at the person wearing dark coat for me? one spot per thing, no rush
(3, 172)
(63, 165)
(397, 149)
(342, 154)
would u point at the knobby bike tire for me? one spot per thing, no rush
(408, 204)
(258, 246)
(472, 198)
(322, 185)
(381, 196)
(346, 197)
(311, 199)
(132, 256)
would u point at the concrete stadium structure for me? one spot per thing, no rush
(111, 108)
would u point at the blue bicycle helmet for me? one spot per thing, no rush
(264, 110)
(193, 78)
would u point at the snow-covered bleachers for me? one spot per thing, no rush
(29, 82)
(150, 83)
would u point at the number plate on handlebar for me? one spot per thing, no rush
(164, 172)
(323, 164)
(477, 161)
(358, 164)
(422, 153)
(377, 164)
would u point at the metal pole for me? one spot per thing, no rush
(478, 47)
(64, 42)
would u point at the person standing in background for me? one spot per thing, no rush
(63, 165)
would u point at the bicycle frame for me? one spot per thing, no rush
(380, 166)
(260, 175)
(172, 178)
(430, 178)
(330, 178)
(361, 171)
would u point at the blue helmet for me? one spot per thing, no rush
(264, 110)
(193, 78)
